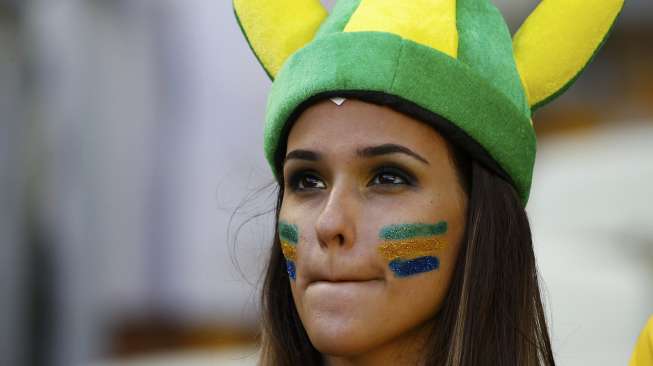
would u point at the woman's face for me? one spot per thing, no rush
(370, 224)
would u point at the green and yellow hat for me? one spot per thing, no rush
(436, 60)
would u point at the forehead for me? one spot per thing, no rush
(329, 127)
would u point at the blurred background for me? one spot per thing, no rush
(136, 204)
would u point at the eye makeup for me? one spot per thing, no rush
(396, 171)
(410, 248)
(300, 178)
(289, 236)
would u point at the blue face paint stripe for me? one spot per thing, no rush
(403, 268)
(290, 267)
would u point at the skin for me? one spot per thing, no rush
(360, 313)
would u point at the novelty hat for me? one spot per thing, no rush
(437, 60)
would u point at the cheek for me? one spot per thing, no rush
(421, 257)
(416, 299)
(427, 243)
(422, 271)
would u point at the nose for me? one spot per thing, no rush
(336, 224)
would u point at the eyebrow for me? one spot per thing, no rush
(366, 152)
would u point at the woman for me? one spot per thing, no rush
(400, 134)
(483, 282)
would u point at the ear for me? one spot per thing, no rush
(275, 29)
(557, 41)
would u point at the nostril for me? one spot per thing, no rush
(341, 239)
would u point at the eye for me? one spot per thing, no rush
(304, 181)
(391, 176)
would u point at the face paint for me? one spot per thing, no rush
(406, 231)
(289, 236)
(411, 248)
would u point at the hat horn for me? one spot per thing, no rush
(557, 41)
(428, 22)
(275, 29)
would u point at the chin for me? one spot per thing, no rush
(341, 341)
(343, 347)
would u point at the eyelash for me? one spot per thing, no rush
(408, 179)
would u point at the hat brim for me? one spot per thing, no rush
(422, 82)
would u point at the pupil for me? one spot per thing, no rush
(387, 178)
(311, 181)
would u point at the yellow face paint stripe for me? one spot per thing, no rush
(410, 248)
(289, 250)
(428, 22)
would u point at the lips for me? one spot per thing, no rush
(341, 287)
(344, 281)
(340, 270)
(342, 278)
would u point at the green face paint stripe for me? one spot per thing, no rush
(288, 232)
(481, 24)
(408, 231)
(338, 18)
(411, 248)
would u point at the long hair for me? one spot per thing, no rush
(492, 313)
